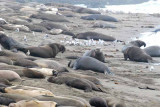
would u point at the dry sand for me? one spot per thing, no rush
(129, 75)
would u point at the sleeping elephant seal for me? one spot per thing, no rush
(85, 10)
(33, 103)
(97, 102)
(8, 42)
(6, 101)
(134, 53)
(78, 83)
(64, 101)
(46, 63)
(46, 51)
(16, 97)
(94, 36)
(27, 90)
(89, 63)
(153, 51)
(27, 72)
(95, 53)
(100, 17)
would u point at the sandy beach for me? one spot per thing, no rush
(131, 79)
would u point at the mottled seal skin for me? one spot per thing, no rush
(94, 36)
(100, 17)
(95, 53)
(134, 53)
(33, 103)
(65, 101)
(89, 63)
(98, 102)
(49, 17)
(78, 83)
(6, 101)
(153, 51)
(46, 51)
(85, 10)
(8, 42)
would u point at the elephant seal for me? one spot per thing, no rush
(85, 10)
(33, 103)
(94, 36)
(46, 63)
(153, 51)
(6, 101)
(100, 17)
(78, 83)
(95, 53)
(14, 27)
(44, 71)
(98, 102)
(49, 17)
(77, 75)
(9, 75)
(137, 43)
(32, 73)
(8, 42)
(89, 63)
(64, 101)
(46, 51)
(50, 25)
(134, 53)
(27, 90)
(37, 28)
(16, 97)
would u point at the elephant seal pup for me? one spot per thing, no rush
(95, 53)
(6, 101)
(46, 63)
(32, 73)
(100, 17)
(33, 103)
(46, 51)
(134, 53)
(94, 36)
(64, 101)
(89, 63)
(9, 75)
(8, 42)
(153, 51)
(98, 102)
(81, 83)
(27, 90)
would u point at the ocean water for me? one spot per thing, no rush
(151, 7)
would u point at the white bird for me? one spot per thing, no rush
(33, 33)
(25, 38)
(151, 68)
(28, 53)
(17, 30)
